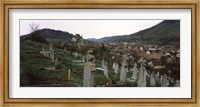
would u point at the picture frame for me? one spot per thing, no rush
(102, 4)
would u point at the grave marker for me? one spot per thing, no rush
(89, 70)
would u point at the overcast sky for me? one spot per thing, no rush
(91, 28)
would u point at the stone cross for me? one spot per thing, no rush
(134, 72)
(142, 74)
(123, 69)
(89, 70)
(123, 72)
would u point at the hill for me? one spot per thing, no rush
(164, 33)
(50, 35)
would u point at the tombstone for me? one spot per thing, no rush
(165, 81)
(69, 75)
(51, 52)
(142, 74)
(89, 70)
(106, 70)
(123, 72)
(103, 63)
(57, 63)
(161, 80)
(83, 59)
(169, 78)
(65, 49)
(134, 72)
(152, 80)
(172, 80)
(52, 56)
(76, 54)
(43, 51)
(116, 68)
(123, 69)
(113, 66)
(157, 76)
(177, 83)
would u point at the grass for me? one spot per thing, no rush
(33, 64)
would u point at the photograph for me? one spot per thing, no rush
(99, 52)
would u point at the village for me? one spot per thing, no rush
(122, 64)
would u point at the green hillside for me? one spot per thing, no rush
(36, 69)
(164, 33)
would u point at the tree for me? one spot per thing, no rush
(34, 35)
(33, 27)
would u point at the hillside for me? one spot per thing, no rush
(51, 35)
(164, 33)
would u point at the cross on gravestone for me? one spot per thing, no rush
(89, 70)
(142, 74)
(134, 72)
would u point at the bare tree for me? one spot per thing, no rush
(33, 27)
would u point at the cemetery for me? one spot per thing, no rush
(55, 58)
(58, 67)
